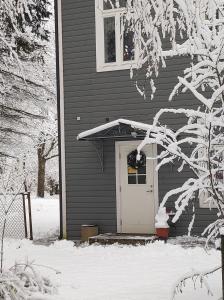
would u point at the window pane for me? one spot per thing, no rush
(109, 40)
(142, 169)
(132, 170)
(128, 46)
(110, 4)
(141, 179)
(131, 179)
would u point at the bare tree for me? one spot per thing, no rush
(47, 149)
(200, 24)
(195, 29)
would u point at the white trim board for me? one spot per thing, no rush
(62, 133)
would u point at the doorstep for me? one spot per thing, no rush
(124, 239)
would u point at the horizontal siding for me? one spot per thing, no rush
(92, 96)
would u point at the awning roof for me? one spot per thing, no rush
(119, 128)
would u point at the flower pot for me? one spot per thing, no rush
(162, 232)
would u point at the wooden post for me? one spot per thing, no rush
(30, 216)
(222, 253)
(41, 171)
(24, 215)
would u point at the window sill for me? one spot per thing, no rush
(115, 67)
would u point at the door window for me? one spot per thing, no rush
(136, 169)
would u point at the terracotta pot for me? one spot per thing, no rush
(162, 232)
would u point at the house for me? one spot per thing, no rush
(103, 119)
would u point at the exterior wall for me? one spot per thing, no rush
(92, 96)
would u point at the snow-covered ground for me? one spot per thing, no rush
(45, 217)
(119, 272)
(112, 272)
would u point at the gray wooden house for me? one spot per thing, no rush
(102, 120)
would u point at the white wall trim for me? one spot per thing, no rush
(118, 194)
(117, 172)
(156, 179)
(62, 133)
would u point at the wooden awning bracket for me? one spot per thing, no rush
(99, 147)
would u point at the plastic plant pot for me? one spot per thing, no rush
(162, 232)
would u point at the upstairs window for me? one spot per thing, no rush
(115, 49)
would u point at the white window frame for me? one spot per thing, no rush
(204, 195)
(100, 14)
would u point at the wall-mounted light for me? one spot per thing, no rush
(134, 134)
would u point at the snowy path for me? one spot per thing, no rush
(115, 272)
(45, 217)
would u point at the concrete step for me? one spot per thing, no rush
(125, 239)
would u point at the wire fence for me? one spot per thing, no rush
(18, 220)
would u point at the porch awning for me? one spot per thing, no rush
(117, 129)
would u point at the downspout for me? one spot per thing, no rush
(60, 109)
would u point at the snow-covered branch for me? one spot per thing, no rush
(164, 30)
(194, 276)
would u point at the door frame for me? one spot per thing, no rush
(117, 173)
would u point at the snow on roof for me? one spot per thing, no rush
(133, 124)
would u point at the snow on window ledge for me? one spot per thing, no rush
(115, 67)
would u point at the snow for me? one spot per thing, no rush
(161, 218)
(133, 124)
(114, 272)
(45, 217)
(221, 231)
(119, 272)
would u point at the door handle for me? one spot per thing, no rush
(149, 191)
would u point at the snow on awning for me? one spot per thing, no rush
(120, 128)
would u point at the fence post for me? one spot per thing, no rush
(24, 215)
(30, 216)
(222, 253)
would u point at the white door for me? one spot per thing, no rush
(136, 188)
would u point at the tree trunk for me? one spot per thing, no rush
(41, 173)
(222, 253)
